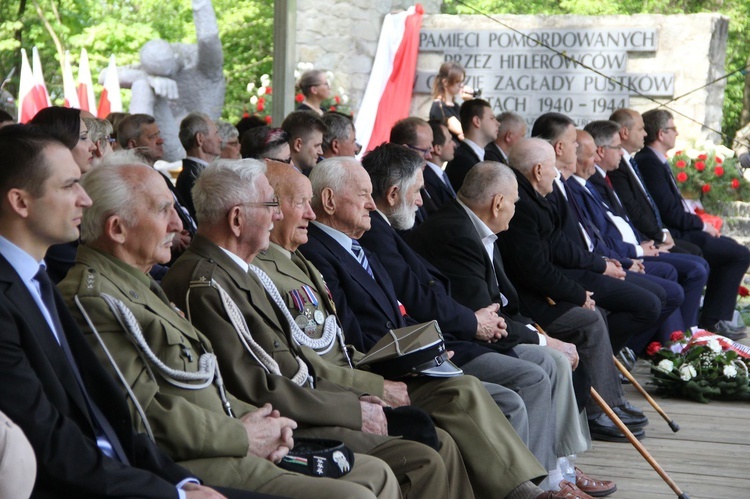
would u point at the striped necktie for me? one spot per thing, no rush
(359, 254)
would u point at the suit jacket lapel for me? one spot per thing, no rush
(358, 273)
(18, 294)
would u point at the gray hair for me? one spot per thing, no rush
(509, 121)
(190, 126)
(389, 165)
(112, 186)
(98, 129)
(485, 180)
(602, 131)
(223, 184)
(330, 173)
(527, 153)
(130, 128)
(226, 132)
(337, 128)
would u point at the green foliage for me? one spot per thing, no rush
(122, 27)
(738, 48)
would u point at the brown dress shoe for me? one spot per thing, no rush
(594, 488)
(567, 491)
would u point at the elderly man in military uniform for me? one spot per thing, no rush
(214, 282)
(488, 443)
(166, 366)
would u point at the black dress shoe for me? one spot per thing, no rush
(632, 421)
(631, 409)
(725, 329)
(602, 428)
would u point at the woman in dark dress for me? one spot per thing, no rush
(315, 87)
(447, 85)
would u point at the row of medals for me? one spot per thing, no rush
(309, 317)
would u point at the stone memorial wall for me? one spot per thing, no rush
(521, 67)
(529, 64)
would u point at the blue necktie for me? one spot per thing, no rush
(648, 196)
(359, 254)
(448, 184)
(106, 437)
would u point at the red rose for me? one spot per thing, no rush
(680, 164)
(743, 291)
(261, 101)
(332, 108)
(261, 106)
(268, 119)
(682, 177)
(677, 336)
(653, 348)
(700, 166)
(299, 98)
(269, 91)
(706, 188)
(735, 183)
(718, 160)
(702, 157)
(337, 99)
(719, 171)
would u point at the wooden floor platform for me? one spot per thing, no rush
(709, 458)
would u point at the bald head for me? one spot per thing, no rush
(535, 159)
(490, 190)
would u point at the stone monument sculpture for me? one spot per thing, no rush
(174, 79)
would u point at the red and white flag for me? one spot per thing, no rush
(110, 101)
(69, 84)
(32, 96)
(85, 87)
(387, 97)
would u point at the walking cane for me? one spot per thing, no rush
(674, 426)
(638, 446)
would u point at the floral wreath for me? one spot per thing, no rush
(700, 366)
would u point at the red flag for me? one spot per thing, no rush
(85, 87)
(31, 97)
(387, 98)
(110, 101)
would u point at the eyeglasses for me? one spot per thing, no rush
(424, 152)
(673, 128)
(268, 204)
(358, 148)
(111, 140)
(616, 148)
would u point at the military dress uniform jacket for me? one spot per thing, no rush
(205, 262)
(190, 425)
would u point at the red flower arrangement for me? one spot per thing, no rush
(711, 176)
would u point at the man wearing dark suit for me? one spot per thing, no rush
(480, 128)
(511, 128)
(436, 182)
(200, 138)
(367, 307)
(727, 259)
(531, 249)
(622, 235)
(52, 384)
(416, 134)
(395, 174)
